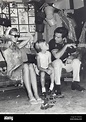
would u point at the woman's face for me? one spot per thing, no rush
(14, 36)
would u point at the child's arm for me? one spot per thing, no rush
(49, 59)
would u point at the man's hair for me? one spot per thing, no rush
(37, 45)
(62, 30)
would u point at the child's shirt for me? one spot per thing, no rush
(45, 59)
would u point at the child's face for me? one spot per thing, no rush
(44, 46)
(58, 38)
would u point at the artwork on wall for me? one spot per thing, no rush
(13, 12)
(14, 21)
(32, 28)
(23, 28)
(21, 19)
(23, 16)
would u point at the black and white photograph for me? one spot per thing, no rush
(39, 80)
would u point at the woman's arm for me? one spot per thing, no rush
(28, 38)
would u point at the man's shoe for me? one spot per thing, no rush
(49, 92)
(79, 88)
(43, 95)
(60, 96)
(75, 86)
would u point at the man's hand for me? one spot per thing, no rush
(71, 45)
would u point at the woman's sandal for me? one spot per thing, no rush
(39, 100)
(33, 101)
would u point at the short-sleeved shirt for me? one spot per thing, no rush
(54, 45)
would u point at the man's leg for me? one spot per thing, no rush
(75, 67)
(58, 65)
(76, 75)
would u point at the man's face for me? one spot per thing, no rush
(58, 38)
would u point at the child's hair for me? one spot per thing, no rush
(62, 30)
(37, 45)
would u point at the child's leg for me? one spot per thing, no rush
(52, 80)
(26, 79)
(43, 82)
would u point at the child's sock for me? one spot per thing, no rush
(51, 86)
(43, 89)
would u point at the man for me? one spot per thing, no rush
(62, 50)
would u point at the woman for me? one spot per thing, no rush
(18, 67)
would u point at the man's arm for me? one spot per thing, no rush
(57, 54)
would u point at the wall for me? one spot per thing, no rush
(21, 17)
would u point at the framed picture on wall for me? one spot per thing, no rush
(14, 20)
(32, 28)
(13, 12)
(23, 28)
(22, 14)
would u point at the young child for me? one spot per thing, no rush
(44, 64)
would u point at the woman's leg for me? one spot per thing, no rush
(33, 80)
(27, 82)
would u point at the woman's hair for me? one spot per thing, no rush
(62, 30)
(37, 45)
(9, 30)
(12, 30)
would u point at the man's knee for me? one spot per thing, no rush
(57, 63)
(76, 62)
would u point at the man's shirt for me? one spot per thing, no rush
(54, 45)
